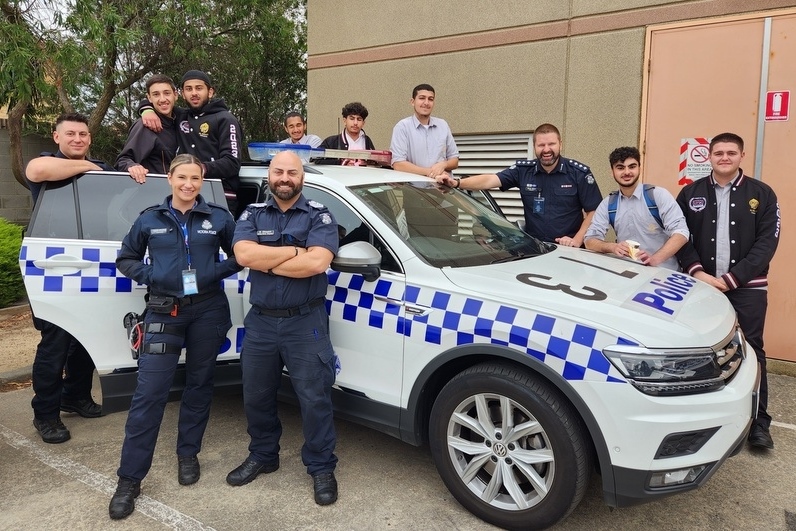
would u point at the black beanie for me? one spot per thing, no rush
(196, 74)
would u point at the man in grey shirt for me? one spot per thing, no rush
(649, 217)
(296, 128)
(422, 144)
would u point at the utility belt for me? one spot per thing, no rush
(304, 309)
(171, 305)
(162, 304)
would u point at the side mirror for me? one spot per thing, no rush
(360, 258)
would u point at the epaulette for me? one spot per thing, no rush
(256, 205)
(578, 165)
(526, 162)
(314, 204)
(150, 208)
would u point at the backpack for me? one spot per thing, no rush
(613, 200)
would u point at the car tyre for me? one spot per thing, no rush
(509, 447)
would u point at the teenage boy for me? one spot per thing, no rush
(735, 222)
(296, 129)
(145, 150)
(352, 137)
(207, 130)
(647, 215)
(422, 144)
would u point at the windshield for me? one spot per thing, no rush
(447, 227)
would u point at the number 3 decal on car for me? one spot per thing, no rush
(592, 295)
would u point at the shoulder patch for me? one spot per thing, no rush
(326, 218)
(315, 204)
(244, 215)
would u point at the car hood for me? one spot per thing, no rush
(652, 306)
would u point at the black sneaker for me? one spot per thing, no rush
(325, 488)
(187, 469)
(123, 502)
(85, 407)
(250, 469)
(52, 431)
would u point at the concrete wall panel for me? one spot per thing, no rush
(506, 89)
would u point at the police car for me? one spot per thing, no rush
(525, 366)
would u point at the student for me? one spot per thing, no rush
(735, 223)
(186, 305)
(207, 130)
(352, 137)
(421, 144)
(649, 216)
(296, 128)
(145, 150)
(559, 195)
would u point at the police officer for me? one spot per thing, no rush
(288, 243)
(186, 306)
(59, 353)
(559, 195)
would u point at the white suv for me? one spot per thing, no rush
(523, 365)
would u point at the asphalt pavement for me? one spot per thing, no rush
(384, 483)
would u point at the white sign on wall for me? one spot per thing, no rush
(694, 159)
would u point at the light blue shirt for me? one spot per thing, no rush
(634, 221)
(423, 145)
(306, 140)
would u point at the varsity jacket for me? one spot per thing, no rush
(754, 230)
(338, 142)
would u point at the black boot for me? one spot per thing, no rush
(123, 501)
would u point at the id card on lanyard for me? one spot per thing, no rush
(190, 285)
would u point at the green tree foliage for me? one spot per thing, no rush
(92, 56)
(11, 287)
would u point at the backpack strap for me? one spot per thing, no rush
(613, 201)
(650, 200)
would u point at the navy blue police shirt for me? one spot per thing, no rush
(553, 202)
(35, 188)
(305, 224)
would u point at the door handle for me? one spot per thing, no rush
(61, 261)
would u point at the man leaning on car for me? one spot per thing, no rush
(62, 369)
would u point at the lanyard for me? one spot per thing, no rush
(184, 227)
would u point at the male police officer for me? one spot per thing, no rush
(58, 352)
(734, 221)
(559, 195)
(288, 243)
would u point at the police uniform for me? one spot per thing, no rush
(553, 202)
(754, 225)
(63, 370)
(176, 242)
(288, 325)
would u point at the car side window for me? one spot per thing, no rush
(110, 203)
(56, 215)
(352, 227)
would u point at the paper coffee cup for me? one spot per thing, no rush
(634, 248)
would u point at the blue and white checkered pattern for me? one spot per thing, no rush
(569, 348)
(100, 275)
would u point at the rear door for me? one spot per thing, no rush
(68, 260)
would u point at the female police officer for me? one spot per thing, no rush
(186, 306)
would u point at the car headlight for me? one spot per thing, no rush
(676, 372)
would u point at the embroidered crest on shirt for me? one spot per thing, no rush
(753, 204)
(185, 127)
(206, 225)
(204, 129)
(326, 218)
(697, 204)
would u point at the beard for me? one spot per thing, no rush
(285, 195)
